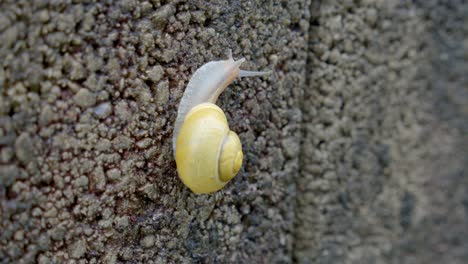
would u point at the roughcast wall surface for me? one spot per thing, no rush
(355, 148)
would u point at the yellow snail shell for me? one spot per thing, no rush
(208, 153)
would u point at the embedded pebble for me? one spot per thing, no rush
(77, 249)
(103, 110)
(84, 98)
(147, 241)
(155, 74)
(162, 93)
(161, 16)
(24, 148)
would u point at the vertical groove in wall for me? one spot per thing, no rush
(314, 7)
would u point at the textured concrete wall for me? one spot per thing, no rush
(355, 148)
(384, 164)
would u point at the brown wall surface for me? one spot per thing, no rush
(355, 148)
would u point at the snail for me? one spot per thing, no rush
(207, 153)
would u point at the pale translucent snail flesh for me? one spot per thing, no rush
(207, 153)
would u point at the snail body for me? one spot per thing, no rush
(207, 153)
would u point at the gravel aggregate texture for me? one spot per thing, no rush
(355, 148)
